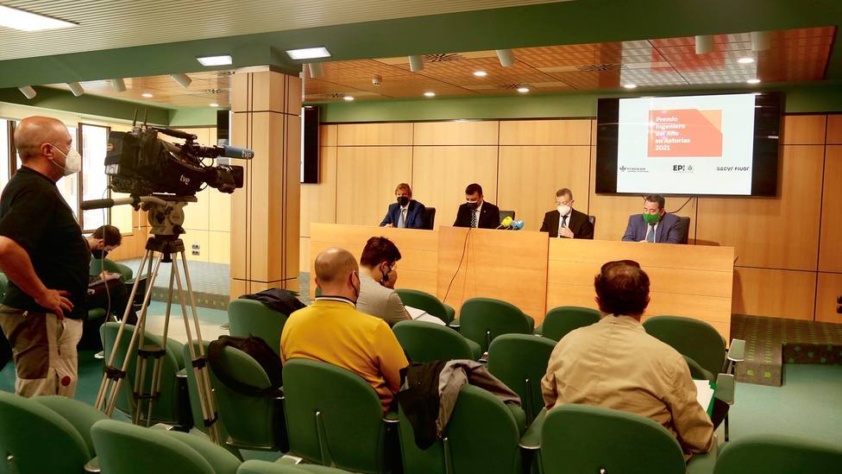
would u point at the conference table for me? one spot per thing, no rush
(536, 273)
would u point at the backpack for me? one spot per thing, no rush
(260, 351)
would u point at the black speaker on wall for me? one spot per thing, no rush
(310, 144)
(223, 127)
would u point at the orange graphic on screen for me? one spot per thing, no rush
(683, 133)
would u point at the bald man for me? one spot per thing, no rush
(45, 257)
(332, 330)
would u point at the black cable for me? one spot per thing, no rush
(464, 248)
(682, 206)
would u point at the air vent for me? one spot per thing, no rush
(225, 73)
(442, 57)
(600, 67)
(511, 87)
(213, 91)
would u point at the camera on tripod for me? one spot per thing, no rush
(141, 164)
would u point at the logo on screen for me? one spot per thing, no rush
(682, 168)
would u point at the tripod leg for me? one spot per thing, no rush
(157, 367)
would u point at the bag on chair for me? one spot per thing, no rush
(260, 351)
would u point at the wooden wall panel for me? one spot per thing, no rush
(304, 254)
(441, 173)
(774, 293)
(456, 133)
(219, 247)
(318, 201)
(804, 129)
(830, 245)
(198, 240)
(328, 135)
(779, 232)
(530, 175)
(374, 134)
(829, 289)
(834, 129)
(366, 179)
(546, 132)
(219, 218)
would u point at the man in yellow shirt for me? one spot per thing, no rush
(332, 330)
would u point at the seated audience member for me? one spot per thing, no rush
(616, 364)
(655, 225)
(106, 290)
(332, 330)
(566, 222)
(477, 212)
(407, 212)
(378, 274)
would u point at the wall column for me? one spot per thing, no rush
(266, 108)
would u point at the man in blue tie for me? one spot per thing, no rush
(655, 225)
(406, 212)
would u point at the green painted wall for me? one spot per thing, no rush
(87, 104)
(193, 117)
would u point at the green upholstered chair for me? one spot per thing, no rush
(98, 265)
(583, 438)
(482, 435)
(48, 435)
(520, 361)
(279, 467)
(253, 318)
(563, 319)
(335, 418)
(173, 405)
(773, 454)
(426, 342)
(251, 421)
(427, 302)
(123, 448)
(483, 319)
(690, 337)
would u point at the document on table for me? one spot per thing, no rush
(421, 315)
(704, 394)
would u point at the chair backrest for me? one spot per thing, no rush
(427, 302)
(683, 229)
(520, 361)
(35, 438)
(173, 406)
(482, 435)
(563, 319)
(592, 220)
(426, 342)
(193, 392)
(690, 337)
(256, 466)
(772, 454)
(483, 319)
(583, 438)
(98, 265)
(253, 318)
(129, 449)
(506, 213)
(334, 417)
(429, 217)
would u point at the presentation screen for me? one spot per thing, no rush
(693, 145)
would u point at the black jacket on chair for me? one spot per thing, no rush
(578, 223)
(489, 216)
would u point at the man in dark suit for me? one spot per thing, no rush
(476, 212)
(655, 225)
(406, 212)
(566, 222)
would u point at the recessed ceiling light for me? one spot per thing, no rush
(523, 89)
(630, 86)
(429, 94)
(753, 81)
(214, 104)
(309, 53)
(25, 21)
(480, 73)
(349, 98)
(745, 60)
(146, 94)
(215, 60)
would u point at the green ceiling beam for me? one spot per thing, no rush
(57, 99)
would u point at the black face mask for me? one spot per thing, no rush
(473, 205)
(99, 254)
(403, 201)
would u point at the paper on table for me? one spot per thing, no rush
(421, 315)
(414, 312)
(704, 393)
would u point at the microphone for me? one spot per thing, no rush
(516, 225)
(505, 223)
(108, 203)
(229, 151)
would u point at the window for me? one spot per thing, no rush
(94, 141)
(5, 152)
(68, 186)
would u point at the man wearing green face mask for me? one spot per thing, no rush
(655, 225)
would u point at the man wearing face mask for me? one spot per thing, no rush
(378, 274)
(407, 212)
(331, 330)
(106, 290)
(655, 225)
(46, 259)
(477, 212)
(566, 222)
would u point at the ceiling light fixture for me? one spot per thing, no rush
(760, 40)
(76, 88)
(746, 60)
(429, 94)
(348, 98)
(26, 21)
(316, 70)
(209, 61)
(214, 104)
(523, 89)
(416, 63)
(704, 44)
(118, 85)
(308, 53)
(480, 73)
(147, 95)
(630, 86)
(182, 79)
(28, 92)
(506, 57)
(753, 81)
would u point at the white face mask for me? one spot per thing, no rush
(72, 161)
(563, 210)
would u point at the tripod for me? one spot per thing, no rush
(166, 217)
